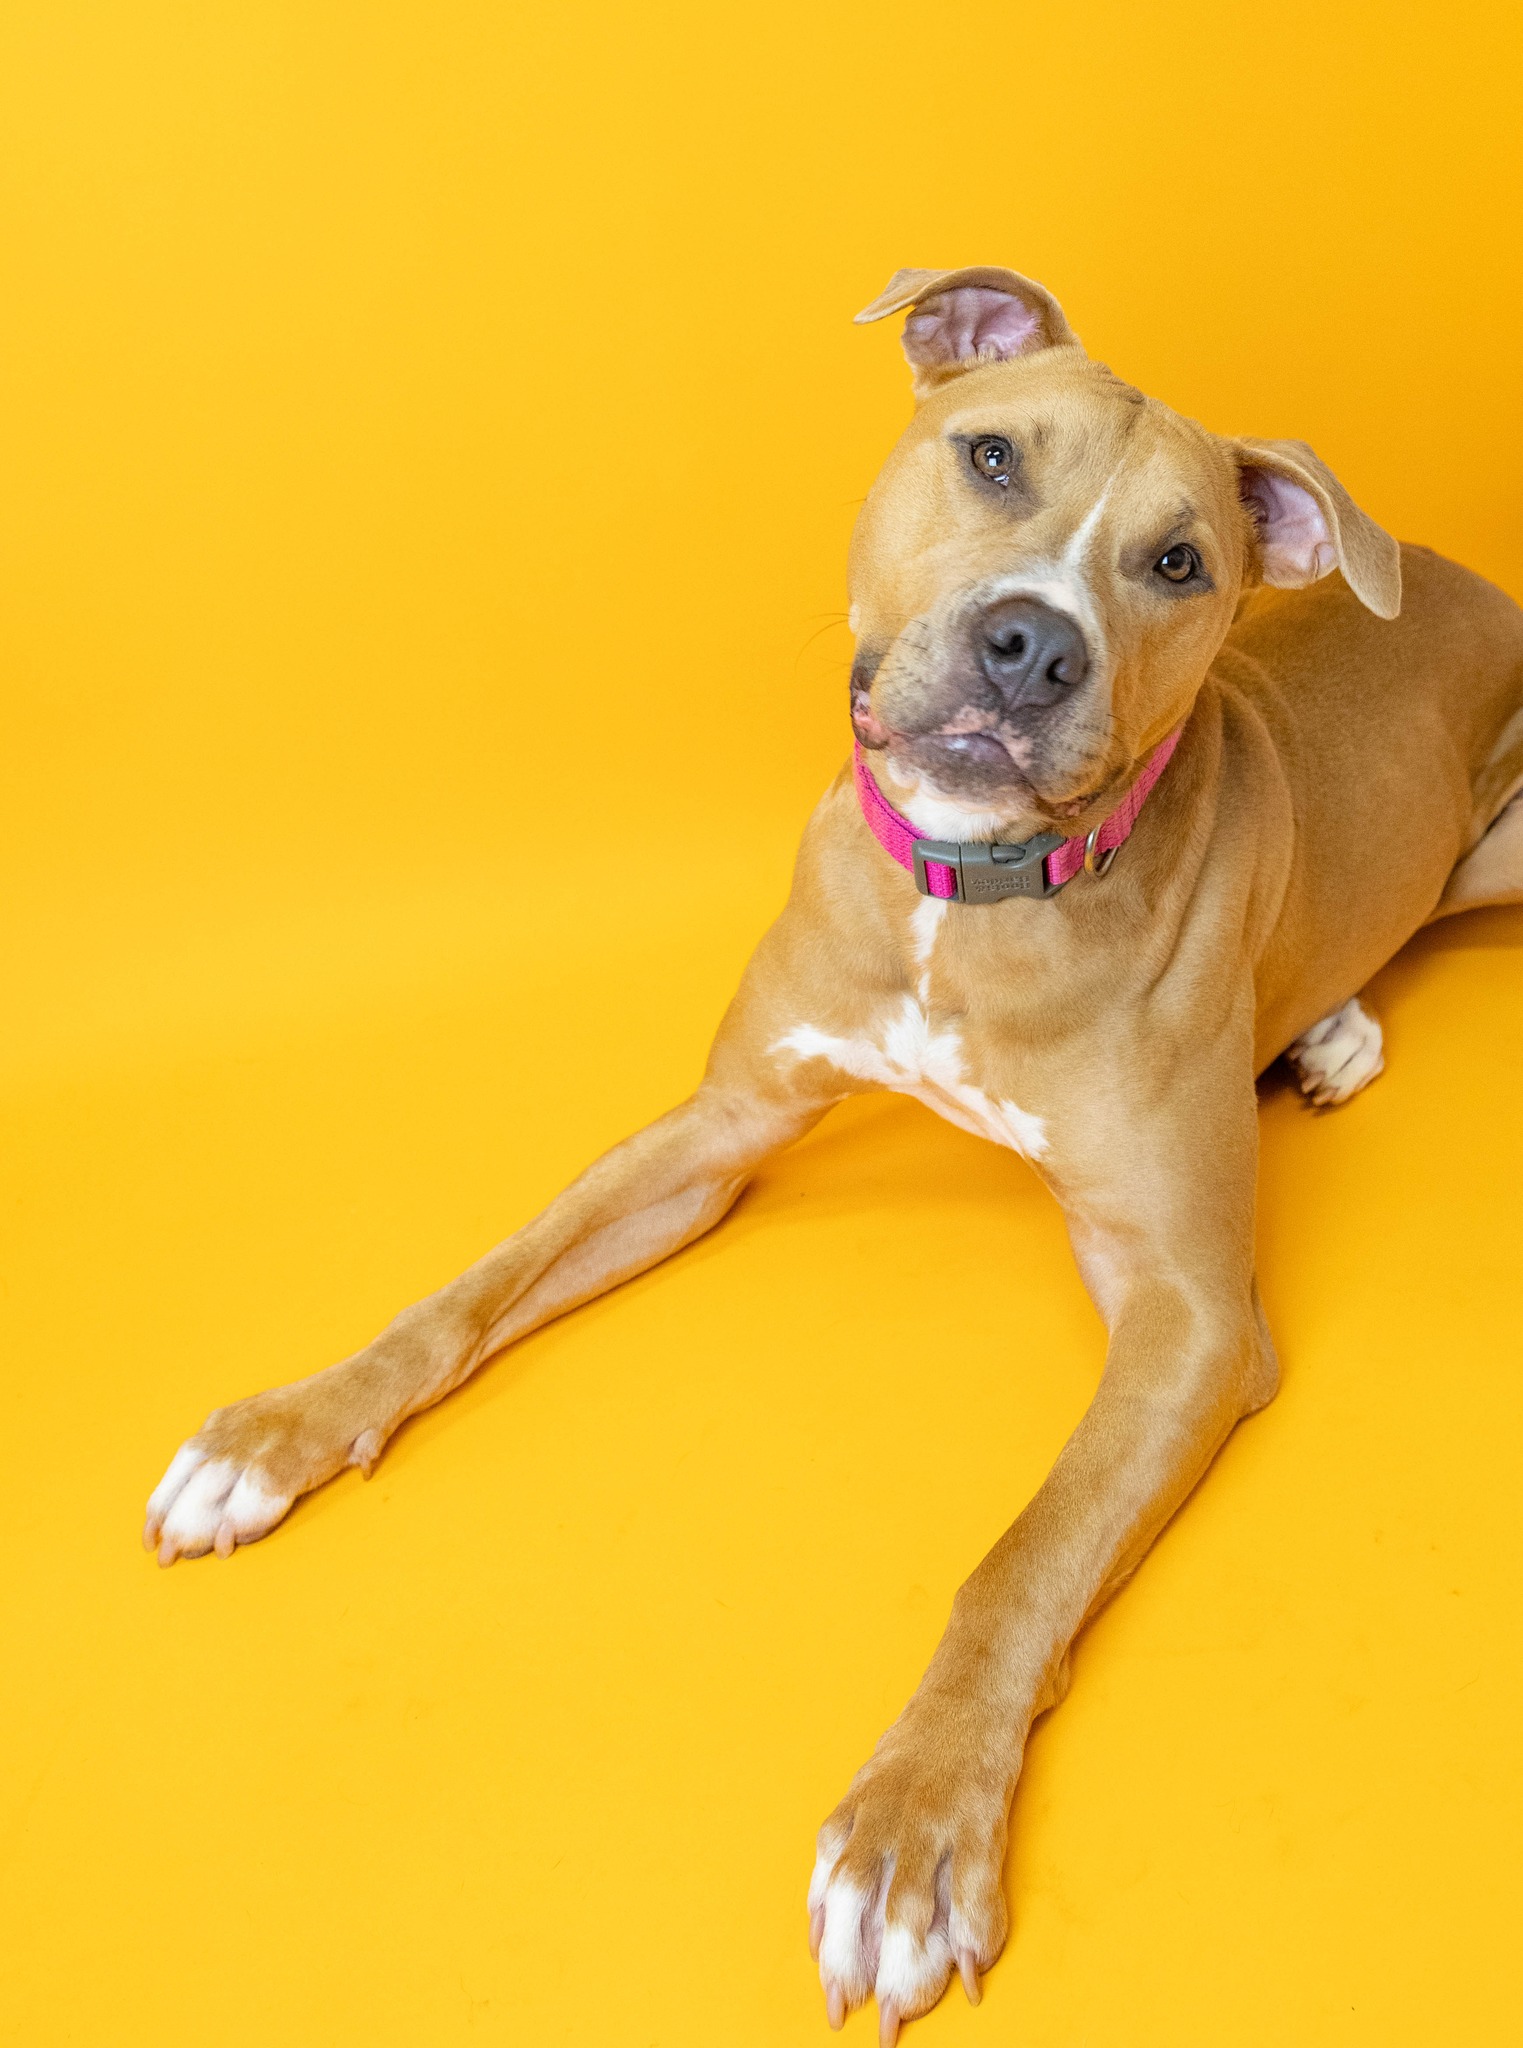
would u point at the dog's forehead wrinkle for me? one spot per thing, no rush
(1118, 387)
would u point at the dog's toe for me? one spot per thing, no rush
(1338, 1056)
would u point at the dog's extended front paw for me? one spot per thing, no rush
(906, 1886)
(246, 1465)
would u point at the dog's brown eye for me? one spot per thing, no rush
(1178, 565)
(994, 459)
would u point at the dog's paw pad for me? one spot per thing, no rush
(1339, 1056)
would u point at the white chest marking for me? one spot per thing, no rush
(904, 1052)
(925, 929)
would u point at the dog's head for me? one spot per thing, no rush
(1049, 561)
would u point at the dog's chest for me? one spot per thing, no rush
(901, 1046)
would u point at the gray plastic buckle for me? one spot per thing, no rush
(987, 874)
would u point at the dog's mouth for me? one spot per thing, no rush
(973, 758)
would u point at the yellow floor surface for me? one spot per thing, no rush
(431, 436)
(526, 1740)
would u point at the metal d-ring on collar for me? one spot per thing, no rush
(1102, 865)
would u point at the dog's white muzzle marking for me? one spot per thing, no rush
(1063, 581)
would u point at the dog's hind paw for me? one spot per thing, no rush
(1339, 1056)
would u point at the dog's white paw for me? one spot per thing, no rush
(906, 1887)
(246, 1464)
(1339, 1056)
(207, 1503)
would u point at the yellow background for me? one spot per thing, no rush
(430, 437)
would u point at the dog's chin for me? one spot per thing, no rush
(973, 768)
(975, 772)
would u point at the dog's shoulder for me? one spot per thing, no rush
(1453, 630)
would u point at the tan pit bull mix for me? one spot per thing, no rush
(1052, 576)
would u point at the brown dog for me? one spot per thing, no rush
(1052, 577)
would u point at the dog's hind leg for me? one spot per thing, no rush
(1338, 1056)
(1344, 1052)
(1492, 871)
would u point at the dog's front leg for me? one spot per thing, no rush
(241, 1471)
(907, 1882)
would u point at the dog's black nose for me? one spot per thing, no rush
(1032, 654)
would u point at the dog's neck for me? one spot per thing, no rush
(990, 870)
(937, 817)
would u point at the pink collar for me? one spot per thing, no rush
(964, 872)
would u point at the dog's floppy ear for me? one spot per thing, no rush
(1308, 525)
(960, 318)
